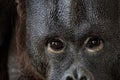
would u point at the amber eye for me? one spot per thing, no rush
(94, 44)
(56, 46)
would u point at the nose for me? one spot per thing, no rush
(77, 74)
(72, 78)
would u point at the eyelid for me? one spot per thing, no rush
(95, 49)
(55, 51)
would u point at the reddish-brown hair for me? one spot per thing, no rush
(20, 33)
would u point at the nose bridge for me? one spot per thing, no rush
(77, 72)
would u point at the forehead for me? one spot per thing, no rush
(71, 16)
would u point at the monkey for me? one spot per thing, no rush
(7, 15)
(65, 40)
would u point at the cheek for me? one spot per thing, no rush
(58, 68)
(36, 52)
(55, 73)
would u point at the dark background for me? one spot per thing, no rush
(7, 17)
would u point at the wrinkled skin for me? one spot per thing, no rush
(73, 21)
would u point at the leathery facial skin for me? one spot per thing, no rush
(70, 40)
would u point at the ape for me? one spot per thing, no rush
(6, 23)
(66, 40)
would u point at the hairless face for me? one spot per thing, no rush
(74, 39)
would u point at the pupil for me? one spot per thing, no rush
(56, 44)
(93, 42)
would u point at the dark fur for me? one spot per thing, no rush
(40, 20)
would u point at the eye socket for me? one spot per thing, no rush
(94, 44)
(55, 46)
